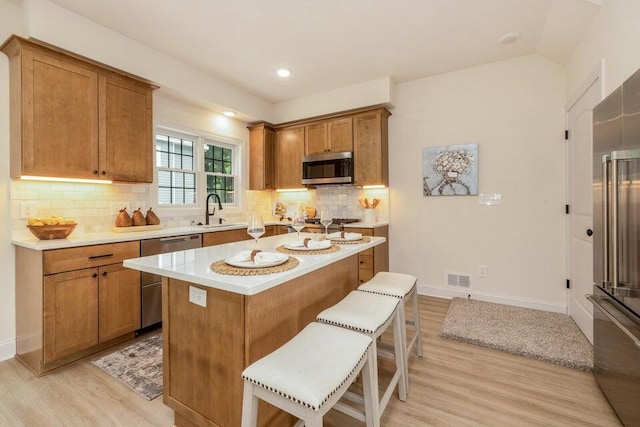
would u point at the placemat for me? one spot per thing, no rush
(332, 248)
(222, 267)
(364, 239)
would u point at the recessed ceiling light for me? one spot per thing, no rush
(509, 38)
(283, 72)
(229, 113)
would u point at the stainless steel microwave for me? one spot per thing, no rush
(328, 168)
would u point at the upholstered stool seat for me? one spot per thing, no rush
(402, 286)
(371, 315)
(309, 374)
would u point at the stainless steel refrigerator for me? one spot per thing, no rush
(616, 249)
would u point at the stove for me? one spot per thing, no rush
(313, 224)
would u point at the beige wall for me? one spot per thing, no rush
(614, 37)
(514, 110)
(9, 23)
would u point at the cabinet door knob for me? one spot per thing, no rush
(103, 172)
(95, 275)
(95, 172)
(104, 273)
(589, 232)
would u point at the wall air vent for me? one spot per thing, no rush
(459, 280)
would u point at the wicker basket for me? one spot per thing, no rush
(50, 232)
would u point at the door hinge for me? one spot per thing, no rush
(568, 284)
(566, 209)
(566, 135)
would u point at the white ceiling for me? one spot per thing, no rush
(335, 43)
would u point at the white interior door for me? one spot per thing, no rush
(580, 118)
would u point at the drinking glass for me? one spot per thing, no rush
(325, 219)
(298, 222)
(255, 227)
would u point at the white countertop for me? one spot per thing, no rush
(26, 239)
(193, 265)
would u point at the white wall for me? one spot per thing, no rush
(514, 110)
(9, 23)
(614, 37)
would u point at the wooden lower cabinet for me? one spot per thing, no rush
(227, 236)
(118, 301)
(374, 259)
(70, 313)
(74, 302)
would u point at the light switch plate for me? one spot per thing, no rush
(490, 199)
(26, 210)
(198, 296)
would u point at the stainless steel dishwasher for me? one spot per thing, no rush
(151, 284)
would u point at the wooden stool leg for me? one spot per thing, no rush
(249, 406)
(416, 321)
(400, 350)
(370, 390)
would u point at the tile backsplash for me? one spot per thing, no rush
(95, 206)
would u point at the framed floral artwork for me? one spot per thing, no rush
(450, 170)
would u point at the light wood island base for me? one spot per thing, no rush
(205, 349)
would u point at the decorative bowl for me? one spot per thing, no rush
(50, 232)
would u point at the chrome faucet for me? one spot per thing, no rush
(207, 214)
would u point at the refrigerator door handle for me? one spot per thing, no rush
(605, 214)
(614, 221)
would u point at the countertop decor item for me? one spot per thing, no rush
(51, 232)
(221, 267)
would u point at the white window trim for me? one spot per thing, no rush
(200, 138)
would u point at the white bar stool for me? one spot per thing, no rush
(402, 286)
(310, 373)
(371, 314)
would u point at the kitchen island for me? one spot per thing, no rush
(239, 319)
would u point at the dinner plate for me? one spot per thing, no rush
(304, 248)
(344, 239)
(251, 264)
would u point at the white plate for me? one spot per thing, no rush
(251, 264)
(344, 239)
(304, 248)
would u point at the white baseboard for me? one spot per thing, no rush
(448, 293)
(7, 349)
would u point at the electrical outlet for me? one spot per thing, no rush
(482, 271)
(27, 210)
(198, 296)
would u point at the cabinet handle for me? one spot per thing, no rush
(100, 256)
(104, 273)
(95, 172)
(103, 172)
(95, 275)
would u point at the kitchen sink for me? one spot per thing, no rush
(224, 224)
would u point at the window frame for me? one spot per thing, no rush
(200, 139)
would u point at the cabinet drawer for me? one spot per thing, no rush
(365, 261)
(59, 260)
(364, 275)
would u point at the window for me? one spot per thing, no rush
(218, 167)
(190, 167)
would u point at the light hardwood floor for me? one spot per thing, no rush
(455, 384)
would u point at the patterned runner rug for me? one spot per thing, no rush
(138, 366)
(536, 334)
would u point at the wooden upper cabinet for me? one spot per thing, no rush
(262, 146)
(370, 148)
(59, 119)
(327, 136)
(289, 154)
(126, 121)
(71, 117)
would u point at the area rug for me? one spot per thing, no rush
(536, 334)
(138, 366)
